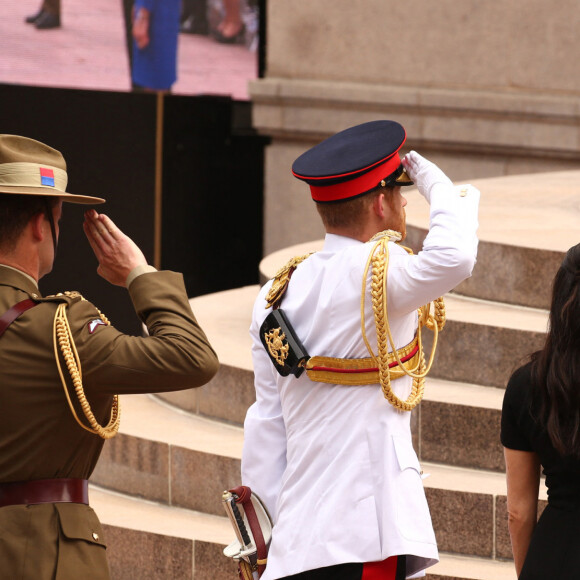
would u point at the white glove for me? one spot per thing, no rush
(424, 173)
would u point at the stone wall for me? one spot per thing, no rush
(483, 88)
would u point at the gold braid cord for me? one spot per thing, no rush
(378, 262)
(63, 338)
(281, 280)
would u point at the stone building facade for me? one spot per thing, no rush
(484, 88)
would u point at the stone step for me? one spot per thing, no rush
(459, 424)
(484, 342)
(185, 461)
(521, 241)
(168, 455)
(149, 541)
(468, 509)
(225, 317)
(452, 567)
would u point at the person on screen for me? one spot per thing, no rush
(155, 32)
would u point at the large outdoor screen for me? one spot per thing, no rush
(91, 45)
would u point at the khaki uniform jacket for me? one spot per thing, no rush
(39, 437)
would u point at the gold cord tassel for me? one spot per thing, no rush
(378, 262)
(63, 338)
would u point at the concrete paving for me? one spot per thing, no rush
(89, 52)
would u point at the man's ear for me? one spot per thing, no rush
(379, 205)
(37, 226)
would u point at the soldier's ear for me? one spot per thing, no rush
(379, 205)
(38, 225)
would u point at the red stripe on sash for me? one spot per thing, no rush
(369, 370)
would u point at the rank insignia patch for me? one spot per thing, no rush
(94, 323)
(47, 176)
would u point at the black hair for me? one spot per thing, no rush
(16, 211)
(556, 367)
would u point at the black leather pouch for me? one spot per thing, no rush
(282, 345)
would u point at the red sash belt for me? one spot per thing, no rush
(44, 491)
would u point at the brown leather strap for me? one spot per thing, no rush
(44, 491)
(13, 313)
(244, 494)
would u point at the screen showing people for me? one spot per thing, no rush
(186, 47)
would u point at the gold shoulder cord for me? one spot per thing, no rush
(379, 259)
(281, 280)
(63, 338)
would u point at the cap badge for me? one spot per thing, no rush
(47, 176)
(276, 347)
(94, 323)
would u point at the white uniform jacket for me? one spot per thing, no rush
(335, 464)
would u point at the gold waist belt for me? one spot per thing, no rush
(361, 371)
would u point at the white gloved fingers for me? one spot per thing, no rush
(411, 164)
(424, 173)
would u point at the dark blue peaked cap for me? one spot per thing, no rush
(354, 162)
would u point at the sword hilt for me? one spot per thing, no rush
(229, 500)
(240, 522)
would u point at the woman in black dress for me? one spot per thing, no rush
(540, 428)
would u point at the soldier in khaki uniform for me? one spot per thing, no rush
(62, 366)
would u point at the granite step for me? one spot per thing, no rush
(459, 424)
(151, 541)
(483, 342)
(468, 509)
(452, 567)
(169, 456)
(522, 241)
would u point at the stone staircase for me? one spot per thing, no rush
(158, 484)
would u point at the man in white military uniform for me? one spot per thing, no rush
(330, 454)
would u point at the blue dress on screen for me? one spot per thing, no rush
(155, 66)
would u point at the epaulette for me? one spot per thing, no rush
(68, 296)
(281, 280)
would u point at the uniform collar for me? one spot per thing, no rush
(10, 276)
(335, 243)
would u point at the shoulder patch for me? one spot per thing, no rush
(93, 324)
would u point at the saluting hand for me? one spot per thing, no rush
(424, 173)
(117, 253)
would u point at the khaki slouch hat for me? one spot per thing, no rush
(29, 167)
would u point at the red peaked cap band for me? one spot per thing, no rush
(357, 185)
